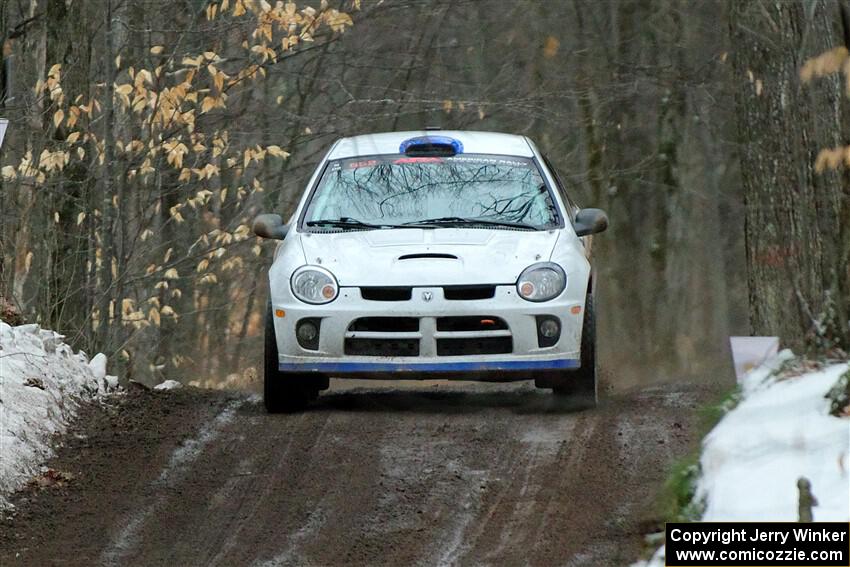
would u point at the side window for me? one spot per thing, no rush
(561, 189)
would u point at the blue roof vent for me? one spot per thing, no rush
(440, 146)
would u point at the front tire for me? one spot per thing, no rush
(284, 391)
(581, 385)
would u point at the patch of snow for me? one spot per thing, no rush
(42, 384)
(98, 365)
(168, 385)
(780, 431)
(657, 559)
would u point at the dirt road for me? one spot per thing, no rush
(463, 474)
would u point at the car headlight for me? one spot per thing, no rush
(312, 284)
(541, 282)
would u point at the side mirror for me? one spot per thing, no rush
(270, 226)
(590, 221)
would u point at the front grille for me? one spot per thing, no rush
(475, 323)
(404, 336)
(386, 293)
(382, 347)
(484, 334)
(451, 293)
(469, 292)
(385, 324)
(472, 346)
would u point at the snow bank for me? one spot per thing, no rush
(42, 383)
(780, 431)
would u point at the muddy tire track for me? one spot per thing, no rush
(463, 474)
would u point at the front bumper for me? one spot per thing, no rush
(525, 359)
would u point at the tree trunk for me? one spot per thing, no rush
(796, 253)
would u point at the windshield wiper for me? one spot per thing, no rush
(346, 222)
(462, 221)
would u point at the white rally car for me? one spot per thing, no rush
(431, 254)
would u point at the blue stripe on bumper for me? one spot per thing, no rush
(345, 367)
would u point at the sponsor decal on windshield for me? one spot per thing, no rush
(359, 164)
(467, 159)
(419, 160)
(507, 160)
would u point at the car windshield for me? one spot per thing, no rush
(479, 191)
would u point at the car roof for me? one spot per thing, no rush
(473, 143)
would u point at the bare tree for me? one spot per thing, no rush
(797, 219)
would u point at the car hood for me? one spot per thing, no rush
(423, 257)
